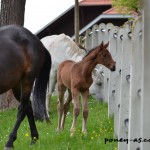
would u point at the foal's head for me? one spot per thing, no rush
(104, 57)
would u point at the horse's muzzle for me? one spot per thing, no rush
(113, 67)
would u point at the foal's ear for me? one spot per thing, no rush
(101, 46)
(106, 45)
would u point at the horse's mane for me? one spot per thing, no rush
(74, 48)
(90, 51)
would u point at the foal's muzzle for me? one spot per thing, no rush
(113, 67)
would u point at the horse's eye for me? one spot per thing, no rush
(104, 55)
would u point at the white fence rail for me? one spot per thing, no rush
(123, 89)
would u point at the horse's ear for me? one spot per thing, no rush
(101, 46)
(106, 45)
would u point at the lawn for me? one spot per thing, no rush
(98, 125)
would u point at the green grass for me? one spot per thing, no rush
(98, 125)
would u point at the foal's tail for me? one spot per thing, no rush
(40, 89)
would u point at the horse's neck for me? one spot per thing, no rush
(88, 65)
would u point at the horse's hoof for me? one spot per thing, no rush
(84, 133)
(58, 130)
(72, 131)
(72, 134)
(8, 148)
(34, 140)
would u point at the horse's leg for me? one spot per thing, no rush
(60, 105)
(24, 109)
(85, 96)
(51, 88)
(66, 108)
(26, 91)
(20, 116)
(76, 110)
(33, 129)
(13, 136)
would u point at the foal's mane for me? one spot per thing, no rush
(90, 51)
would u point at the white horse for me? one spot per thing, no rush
(62, 47)
(97, 87)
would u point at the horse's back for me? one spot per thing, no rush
(48, 40)
(62, 47)
(66, 66)
(20, 52)
(18, 39)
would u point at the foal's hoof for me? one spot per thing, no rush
(71, 134)
(72, 131)
(59, 130)
(8, 148)
(84, 133)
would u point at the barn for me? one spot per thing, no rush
(90, 12)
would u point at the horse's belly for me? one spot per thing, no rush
(8, 79)
(65, 72)
(66, 79)
(9, 84)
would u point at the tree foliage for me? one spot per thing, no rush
(126, 6)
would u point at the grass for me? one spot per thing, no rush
(98, 125)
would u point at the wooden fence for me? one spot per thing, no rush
(123, 89)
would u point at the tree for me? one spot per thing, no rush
(12, 12)
(126, 6)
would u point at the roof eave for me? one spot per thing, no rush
(54, 20)
(103, 16)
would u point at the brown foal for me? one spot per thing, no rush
(77, 78)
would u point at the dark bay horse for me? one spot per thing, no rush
(24, 61)
(77, 78)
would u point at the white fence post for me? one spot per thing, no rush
(106, 71)
(95, 35)
(101, 35)
(88, 40)
(135, 90)
(146, 78)
(112, 75)
(118, 81)
(125, 86)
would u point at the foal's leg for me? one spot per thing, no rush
(60, 105)
(76, 110)
(66, 108)
(85, 96)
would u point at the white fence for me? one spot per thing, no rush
(123, 89)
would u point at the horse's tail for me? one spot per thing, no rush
(40, 89)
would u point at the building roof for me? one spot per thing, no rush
(91, 12)
(111, 11)
(65, 22)
(95, 2)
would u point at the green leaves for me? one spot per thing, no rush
(127, 6)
